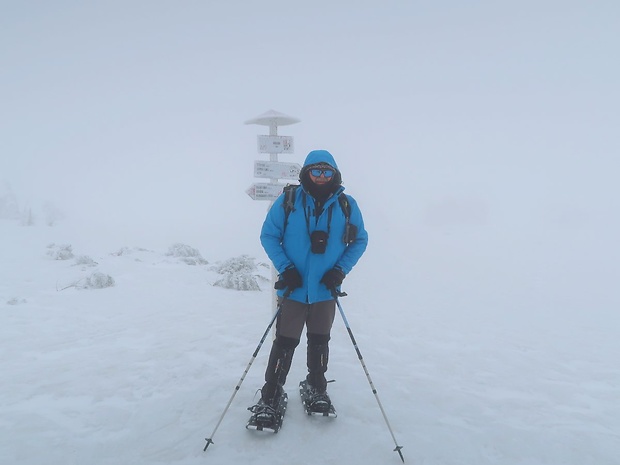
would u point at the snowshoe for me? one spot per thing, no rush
(316, 403)
(266, 417)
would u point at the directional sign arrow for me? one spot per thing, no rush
(265, 190)
(276, 170)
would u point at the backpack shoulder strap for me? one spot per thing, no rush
(343, 200)
(350, 230)
(289, 202)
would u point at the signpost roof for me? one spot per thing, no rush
(273, 117)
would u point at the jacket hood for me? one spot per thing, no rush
(320, 156)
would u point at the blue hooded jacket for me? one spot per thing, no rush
(289, 244)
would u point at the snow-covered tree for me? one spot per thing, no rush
(52, 214)
(9, 209)
(27, 218)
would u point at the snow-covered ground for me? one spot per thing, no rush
(478, 357)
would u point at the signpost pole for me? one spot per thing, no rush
(274, 170)
(273, 131)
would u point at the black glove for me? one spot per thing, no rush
(289, 278)
(333, 278)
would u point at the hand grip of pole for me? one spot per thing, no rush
(336, 293)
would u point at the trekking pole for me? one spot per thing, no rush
(260, 344)
(359, 355)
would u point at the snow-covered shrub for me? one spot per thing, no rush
(186, 254)
(96, 280)
(240, 264)
(60, 252)
(122, 251)
(240, 273)
(138, 254)
(85, 260)
(239, 282)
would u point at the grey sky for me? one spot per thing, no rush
(472, 113)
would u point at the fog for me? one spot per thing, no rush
(480, 138)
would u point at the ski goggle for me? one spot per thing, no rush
(318, 172)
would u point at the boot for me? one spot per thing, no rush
(263, 413)
(315, 402)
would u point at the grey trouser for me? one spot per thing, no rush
(318, 318)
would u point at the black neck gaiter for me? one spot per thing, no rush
(319, 192)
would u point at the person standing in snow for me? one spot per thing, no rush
(313, 249)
